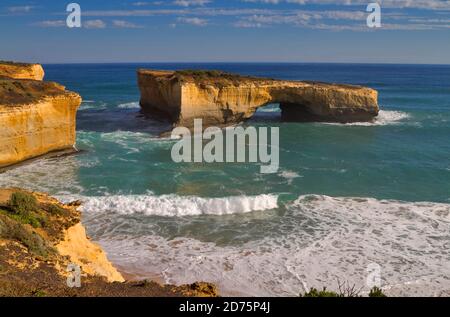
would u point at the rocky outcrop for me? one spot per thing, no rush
(36, 117)
(40, 237)
(225, 99)
(88, 255)
(52, 231)
(21, 70)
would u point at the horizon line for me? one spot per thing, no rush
(245, 62)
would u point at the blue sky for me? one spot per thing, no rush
(413, 31)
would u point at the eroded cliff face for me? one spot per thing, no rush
(87, 254)
(225, 99)
(36, 117)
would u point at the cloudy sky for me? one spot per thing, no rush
(413, 31)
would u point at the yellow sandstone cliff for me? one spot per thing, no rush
(36, 117)
(87, 254)
(225, 99)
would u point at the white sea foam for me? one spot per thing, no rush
(57, 175)
(289, 175)
(132, 142)
(173, 205)
(129, 105)
(385, 117)
(324, 240)
(85, 106)
(125, 136)
(89, 105)
(264, 109)
(390, 117)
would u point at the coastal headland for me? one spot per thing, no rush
(36, 117)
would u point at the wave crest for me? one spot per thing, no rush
(178, 206)
(385, 117)
(129, 105)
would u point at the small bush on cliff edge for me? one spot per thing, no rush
(323, 293)
(23, 208)
(9, 229)
(22, 203)
(55, 210)
(376, 292)
(347, 292)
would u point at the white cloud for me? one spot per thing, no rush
(188, 3)
(338, 21)
(20, 9)
(188, 11)
(247, 25)
(94, 24)
(420, 4)
(51, 23)
(125, 24)
(346, 15)
(193, 21)
(90, 24)
(143, 4)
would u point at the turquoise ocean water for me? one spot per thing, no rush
(346, 197)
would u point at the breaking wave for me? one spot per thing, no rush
(129, 105)
(178, 206)
(385, 117)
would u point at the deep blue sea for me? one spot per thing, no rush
(346, 199)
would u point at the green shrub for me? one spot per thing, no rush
(376, 292)
(22, 203)
(323, 293)
(31, 219)
(16, 231)
(344, 291)
(38, 293)
(23, 207)
(55, 210)
(144, 283)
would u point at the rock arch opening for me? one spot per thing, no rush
(267, 112)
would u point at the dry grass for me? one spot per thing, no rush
(215, 77)
(22, 91)
(12, 63)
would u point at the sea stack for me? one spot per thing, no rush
(36, 117)
(223, 99)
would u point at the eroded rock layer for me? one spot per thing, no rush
(225, 99)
